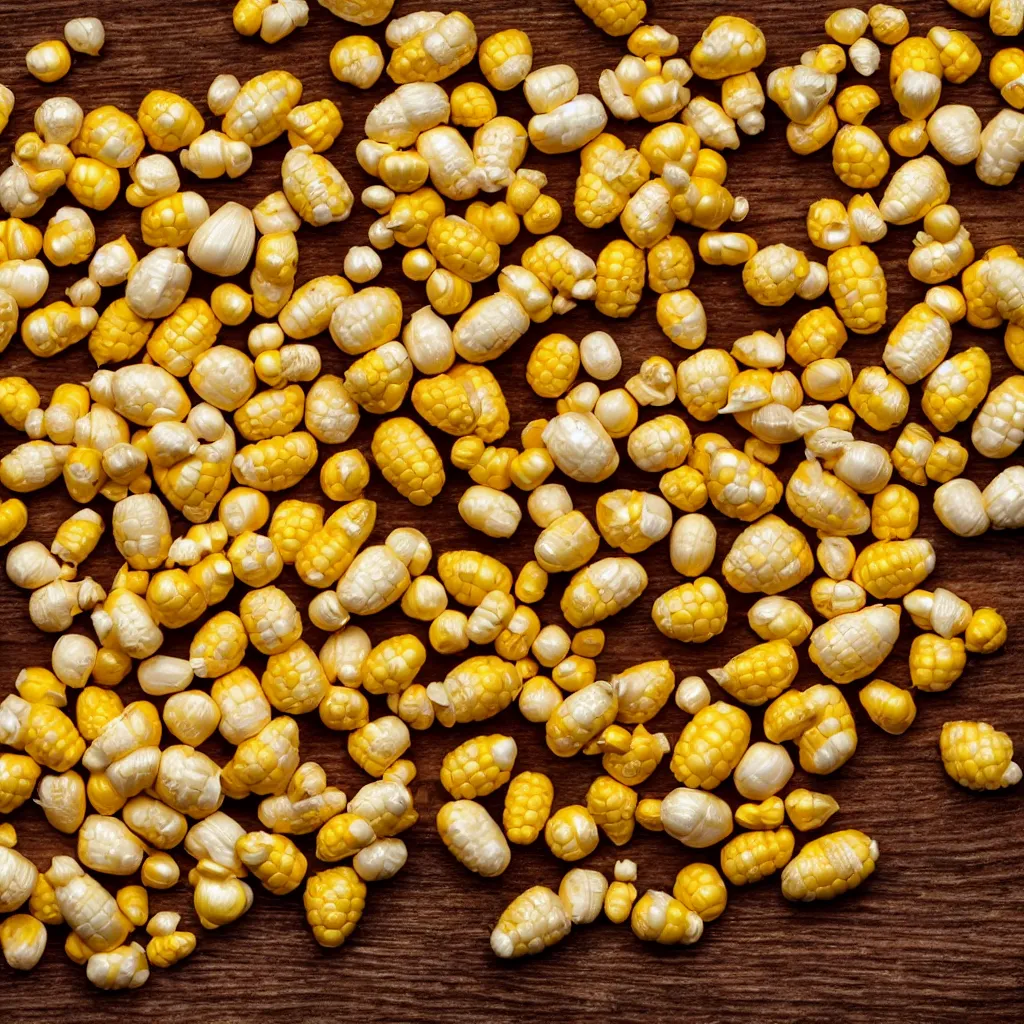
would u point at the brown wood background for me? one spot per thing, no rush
(935, 934)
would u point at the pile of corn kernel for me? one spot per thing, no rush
(153, 431)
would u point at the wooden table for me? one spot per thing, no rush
(936, 934)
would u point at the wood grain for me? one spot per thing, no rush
(936, 934)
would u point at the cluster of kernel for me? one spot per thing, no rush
(133, 436)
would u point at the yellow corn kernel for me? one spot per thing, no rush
(357, 60)
(997, 432)
(42, 903)
(858, 287)
(1004, 72)
(819, 334)
(819, 720)
(474, 690)
(759, 674)
(620, 278)
(830, 866)
(741, 487)
(168, 121)
(293, 524)
(316, 124)
(377, 744)
(670, 265)
(692, 612)
(174, 598)
(218, 646)
(571, 833)
(259, 112)
(119, 334)
(977, 756)
(179, 340)
(264, 763)
(894, 513)
(442, 47)
(609, 174)
(956, 388)
(506, 58)
(853, 645)
(379, 380)
(275, 463)
(553, 365)
(808, 810)
(255, 559)
(408, 460)
(659, 917)
(498, 221)
(632, 520)
(334, 901)
(779, 618)
(773, 275)
(768, 557)
(684, 488)
(48, 61)
(859, 157)
(710, 746)
(48, 331)
(909, 139)
(40, 686)
(855, 102)
(533, 921)
(879, 398)
(726, 248)
(889, 25)
(478, 766)
(728, 46)
(315, 188)
(910, 454)
(343, 836)
(888, 569)
(270, 413)
(344, 476)
(768, 814)
(483, 388)
(393, 664)
(947, 460)
(699, 887)
(344, 709)
(986, 632)
(612, 805)
(580, 717)
(462, 248)
(936, 662)
(168, 946)
(294, 680)
(615, 17)
(823, 501)
(42, 731)
(659, 444)
(69, 237)
(18, 399)
(111, 136)
(376, 578)
(18, 775)
(889, 707)
(751, 856)
(33, 465)
(527, 807)
(805, 139)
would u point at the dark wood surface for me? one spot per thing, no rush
(935, 934)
